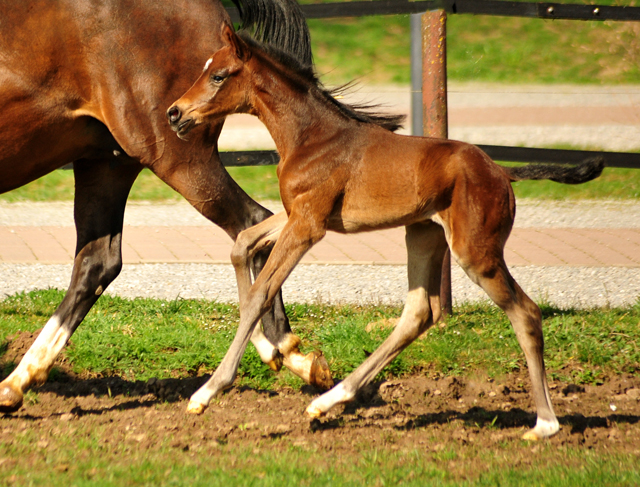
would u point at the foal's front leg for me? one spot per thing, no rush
(296, 236)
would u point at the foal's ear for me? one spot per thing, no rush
(230, 37)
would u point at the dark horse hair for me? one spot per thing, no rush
(362, 112)
(277, 23)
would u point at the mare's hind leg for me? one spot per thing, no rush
(426, 246)
(101, 195)
(494, 277)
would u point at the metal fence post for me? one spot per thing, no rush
(434, 100)
(416, 74)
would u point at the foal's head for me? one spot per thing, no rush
(219, 89)
(224, 86)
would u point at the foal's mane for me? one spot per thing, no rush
(362, 112)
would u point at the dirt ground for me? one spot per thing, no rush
(426, 412)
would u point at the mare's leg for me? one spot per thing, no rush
(295, 238)
(100, 198)
(490, 272)
(426, 247)
(208, 187)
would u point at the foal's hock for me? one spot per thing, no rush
(342, 169)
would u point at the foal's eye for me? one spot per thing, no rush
(217, 79)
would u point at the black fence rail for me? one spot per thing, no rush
(541, 10)
(496, 152)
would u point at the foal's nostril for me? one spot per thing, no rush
(174, 114)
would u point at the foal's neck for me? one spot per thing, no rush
(291, 107)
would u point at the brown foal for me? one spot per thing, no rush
(344, 170)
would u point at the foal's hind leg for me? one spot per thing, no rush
(101, 195)
(525, 317)
(426, 246)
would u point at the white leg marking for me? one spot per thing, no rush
(544, 429)
(326, 401)
(36, 363)
(267, 351)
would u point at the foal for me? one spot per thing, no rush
(345, 171)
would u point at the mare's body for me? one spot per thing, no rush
(88, 82)
(342, 171)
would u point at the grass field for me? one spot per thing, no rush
(482, 48)
(262, 184)
(139, 339)
(143, 338)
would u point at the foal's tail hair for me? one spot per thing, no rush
(560, 173)
(280, 23)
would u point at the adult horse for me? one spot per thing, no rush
(89, 81)
(345, 170)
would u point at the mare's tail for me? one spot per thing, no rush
(560, 173)
(280, 23)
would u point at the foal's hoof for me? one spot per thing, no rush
(543, 429)
(320, 375)
(196, 408)
(10, 400)
(314, 412)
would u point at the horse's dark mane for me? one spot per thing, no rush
(361, 112)
(280, 23)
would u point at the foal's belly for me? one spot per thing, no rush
(376, 213)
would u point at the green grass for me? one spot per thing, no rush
(482, 48)
(261, 183)
(257, 466)
(143, 338)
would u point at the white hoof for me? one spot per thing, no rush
(543, 429)
(314, 412)
(195, 407)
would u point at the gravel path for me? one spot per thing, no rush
(563, 286)
(581, 287)
(530, 214)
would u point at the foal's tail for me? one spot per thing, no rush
(578, 174)
(280, 23)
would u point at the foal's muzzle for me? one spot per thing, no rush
(179, 125)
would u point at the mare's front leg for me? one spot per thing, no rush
(100, 198)
(294, 238)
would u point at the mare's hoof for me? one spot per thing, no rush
(10, 400)
(320, 375)
(313, 412)
(195, 408)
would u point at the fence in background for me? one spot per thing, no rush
(543, 10)
(429, 71)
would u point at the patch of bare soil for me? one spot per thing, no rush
(427, 413)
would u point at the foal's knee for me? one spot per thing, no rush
(240, 251)
(417, 313)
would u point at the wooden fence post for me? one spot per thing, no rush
(434, 100)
